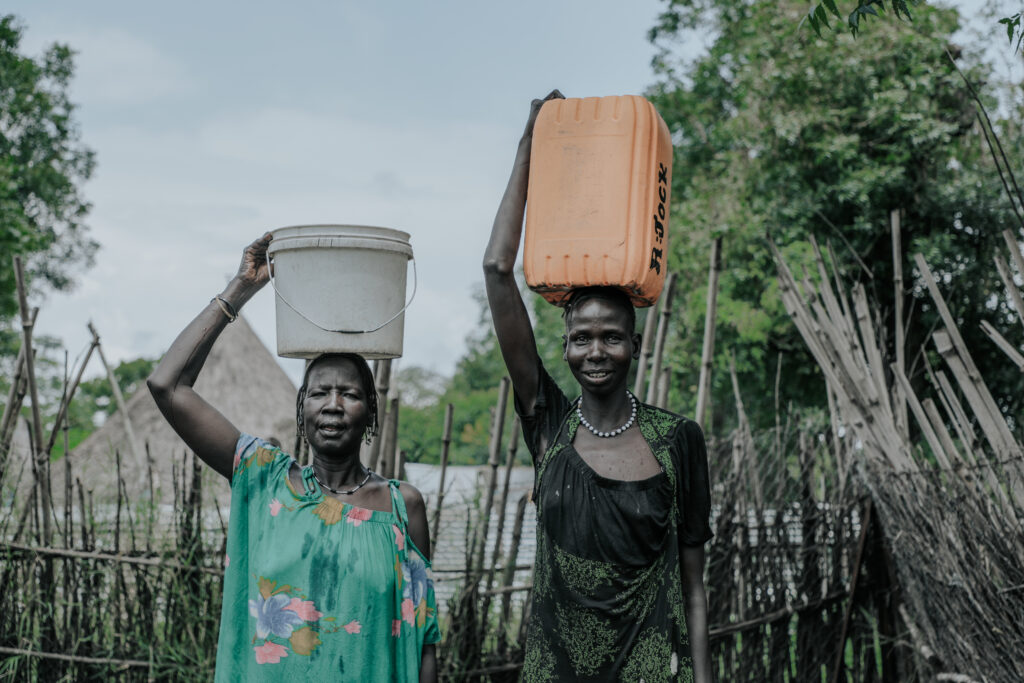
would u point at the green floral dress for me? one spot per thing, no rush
(316, 589)
(607, 594)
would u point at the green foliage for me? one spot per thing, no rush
(779, 132)
(94, 399)
(818, 14)
(1013, 29)
(42, 165)
(473, 390)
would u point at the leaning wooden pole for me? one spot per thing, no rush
(389, 440)
(708, 350)
(133, 443)
(1015, 254)
(659, 343)
(1011, 287)
(513, 557)
(663, 387)
(497, 430)
(510, 460)
(19, 385)
(39, 458)
(953, 348)
(646, 344)
(899, 401)
(446, 442)
(60, 423)
(383, 381)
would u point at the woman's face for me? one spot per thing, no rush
(335, 411)
(600, 345)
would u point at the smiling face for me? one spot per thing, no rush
(335, 410)
(600, 345)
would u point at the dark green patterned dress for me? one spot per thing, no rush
(607, 598)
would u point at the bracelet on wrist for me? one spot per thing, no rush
(225, 306)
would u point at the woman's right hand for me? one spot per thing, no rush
(535, 106)
(254, 271)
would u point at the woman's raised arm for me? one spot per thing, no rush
(200, 425)
(508, 311)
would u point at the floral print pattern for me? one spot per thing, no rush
(282, 614)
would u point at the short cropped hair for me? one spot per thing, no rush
(612, 295)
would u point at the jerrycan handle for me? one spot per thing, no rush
(415, 282)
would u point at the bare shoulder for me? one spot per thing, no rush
(412, 497)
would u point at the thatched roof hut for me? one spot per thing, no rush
(241, 379)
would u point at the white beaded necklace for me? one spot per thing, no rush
(614, 432)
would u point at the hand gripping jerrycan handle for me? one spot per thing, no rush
(415, 282)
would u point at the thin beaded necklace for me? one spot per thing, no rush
(361, 484)
(614, 432)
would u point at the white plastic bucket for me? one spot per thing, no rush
(340, 289)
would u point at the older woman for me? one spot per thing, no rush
(327, 566)
(621, 487)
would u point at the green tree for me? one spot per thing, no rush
(780, 132)
(42, 166)
(94, 399)
(473, 390)
(819, 13)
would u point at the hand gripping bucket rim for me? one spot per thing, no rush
(375, 241)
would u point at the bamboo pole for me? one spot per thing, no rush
(497, 428)
(383, 382)
(993, 424)
(510, 461)
(1011, 287)
(388, 440)
(70, 393)
(927, 428)
(15, 397)
(835, 346)
(1015, 253)
(116, 557)
(954, 408)
(646, 344)
(1005, 346)
(513, 556)
(932, 411)
(399, 472)
(899, 402)
(1007, 443)
(659, 343)
(133, 444)
(446, 441)
(513, 445)
(38, 457)
(663, 387)
(707, 352)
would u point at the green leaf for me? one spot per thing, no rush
(831, 5)
(821, 15)
(813, 21)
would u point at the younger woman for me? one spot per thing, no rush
(621, 488)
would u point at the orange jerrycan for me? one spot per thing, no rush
(598, 199)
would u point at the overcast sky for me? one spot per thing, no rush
(213, 122)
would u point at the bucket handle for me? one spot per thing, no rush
(415, 282)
